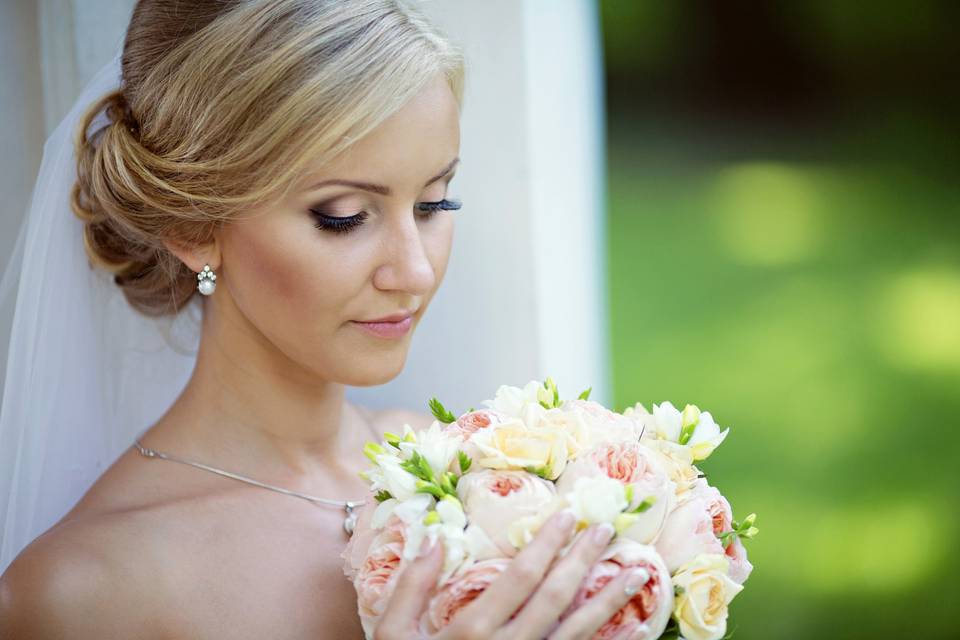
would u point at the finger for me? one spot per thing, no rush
(413, 589)
(540, 614)
(596, 611)
(507, 592)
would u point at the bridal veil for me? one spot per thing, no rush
(85, 373)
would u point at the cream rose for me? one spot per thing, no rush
(704, 594)
(633, 465)
(495, 499)
(650, 606)
(514, 445)
(677, 461)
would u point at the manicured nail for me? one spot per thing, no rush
(565, 521)
(603, 533)
(426, 546)
(636, 579)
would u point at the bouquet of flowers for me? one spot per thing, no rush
(484, 482)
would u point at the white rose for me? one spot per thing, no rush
(494, 499)
(705, 592)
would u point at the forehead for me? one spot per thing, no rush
(407, 148)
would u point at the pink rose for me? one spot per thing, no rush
(722, 518)
(632, 464)
(372, 559)
(494, 499)
(605, 425)
(650, 607)
(458, 592)
(689, 531)
(376, 578)
(472, 422)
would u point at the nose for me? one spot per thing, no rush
(406, 265)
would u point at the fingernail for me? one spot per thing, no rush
(636, 579)
(426, 546)
(565, 521)
(603, 533)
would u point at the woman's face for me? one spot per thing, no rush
(296, 290)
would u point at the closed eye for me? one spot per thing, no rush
(345, 224)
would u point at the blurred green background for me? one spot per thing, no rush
(784, 235)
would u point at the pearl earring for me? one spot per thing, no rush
(207, 280)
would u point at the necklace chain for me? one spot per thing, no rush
(347, 505)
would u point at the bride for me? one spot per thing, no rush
(280, 167)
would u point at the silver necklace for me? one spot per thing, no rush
(349, 506)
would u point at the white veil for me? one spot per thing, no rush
(85, 373)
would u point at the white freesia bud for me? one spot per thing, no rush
(387, 475)
(436, 445)
(706, 437)
(668, 423)
(596, 499)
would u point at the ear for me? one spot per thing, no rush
(196, 256)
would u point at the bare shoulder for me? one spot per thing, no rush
(64, 585)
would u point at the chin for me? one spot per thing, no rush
(374, 369)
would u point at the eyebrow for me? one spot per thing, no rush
(379, 188)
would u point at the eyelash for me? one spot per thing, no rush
(338, 225)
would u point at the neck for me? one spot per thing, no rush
(250, 408)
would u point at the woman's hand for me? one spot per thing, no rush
(540, 591)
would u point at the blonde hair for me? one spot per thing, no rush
(222, 105)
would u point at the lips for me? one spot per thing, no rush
(387, 329)
(394, 317)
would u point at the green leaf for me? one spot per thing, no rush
(431, 488)
(643, 506)
(440, 412)
(418, 467)
(585, 395)
(382, 495)
(542, 471)
(686, 433)
(471, 410)
(447, 484)
(392, 439)
(464, 460)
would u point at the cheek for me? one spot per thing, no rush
(439, 243)
(283, 272)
